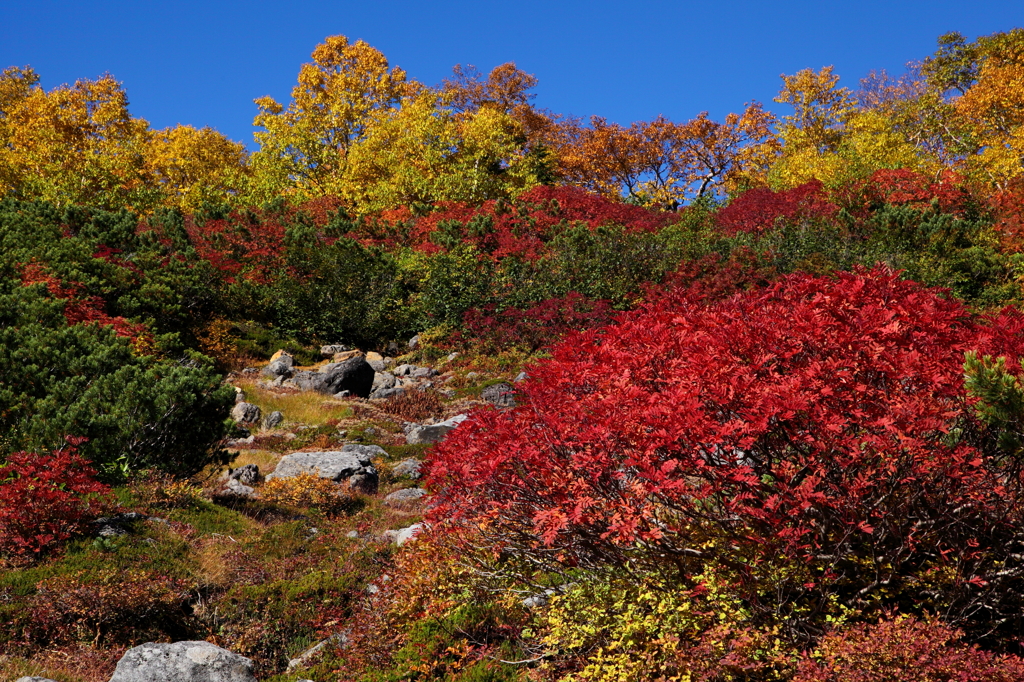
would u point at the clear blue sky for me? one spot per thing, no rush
(202, 63)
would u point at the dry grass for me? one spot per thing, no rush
(297, 407)
(79, 664)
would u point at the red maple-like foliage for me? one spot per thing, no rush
(908, 650)
(44, 498)
(760, 209)
(823, 420)
(904, 187)
(500, 229)
(80, 308)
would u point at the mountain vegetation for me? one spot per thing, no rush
(734, 401)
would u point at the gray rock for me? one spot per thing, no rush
(432, 433)
(401, 498)
(246, 475)
(113, 526)
(404, 535)
(472, 375)
(522, 376)
(403, 370)
(351, 464)
(282, 366)
(381, 394)
(329, 351)
(239, 395)
(383, 380)
(423, 372)
(235, 488)
(408, 467)
(245, 413)
(273, 420)
(354, 375)
(414, 342)
(34, 679)
(499, 395)
(182, 662)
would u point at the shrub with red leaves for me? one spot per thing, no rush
(904, 187)
(520, 228)
(44, 499)
(758, 210)
(904, 649)
(820, 426)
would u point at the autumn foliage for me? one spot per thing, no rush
(44, 500)
(820, 426)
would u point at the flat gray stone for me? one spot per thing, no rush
(404, 497)
(351, 464)
(408, 467)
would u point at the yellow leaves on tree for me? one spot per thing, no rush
(80, 145)
(194, 166)
(74, 145)
(832, 138)
(304, 148)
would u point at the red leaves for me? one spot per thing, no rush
(43, 500)
(80, 308)
(537, 326)
(758, 210)
(808, 414)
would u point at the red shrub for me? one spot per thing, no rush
(758, 210)
(519, 228)
(905, 650)
(811, 422)
(903, 187)
(44, 498)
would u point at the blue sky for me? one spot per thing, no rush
(202, 63)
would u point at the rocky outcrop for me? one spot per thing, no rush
(281, 365)
(245, 413)
(352, 464)
(182, 662)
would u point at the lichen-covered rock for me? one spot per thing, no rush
(273, 420)
(182, 662)
(352, 464)
(405, 497)
(408, 467)
(499, 395)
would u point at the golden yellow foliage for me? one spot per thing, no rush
(193, 166)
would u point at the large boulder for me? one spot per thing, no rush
(182, 662)
(354, 375)
(352, 464)
(408, 467)
(433, 433)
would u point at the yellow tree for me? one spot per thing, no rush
(992, 107)
(427, 151)
(193, 166)
(831, 137)
(304, 148)
(74, 145)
